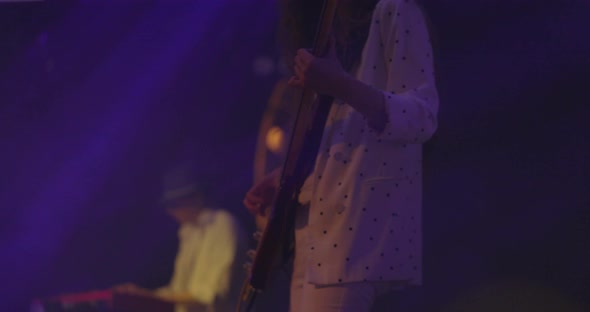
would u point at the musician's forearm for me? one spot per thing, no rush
(365, 99)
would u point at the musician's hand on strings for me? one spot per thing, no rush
(262, 194)
(321, 74)
(251, 254)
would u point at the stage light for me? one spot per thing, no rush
(275, 138)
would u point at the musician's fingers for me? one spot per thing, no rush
(257, 235)
(299, 73)
(252, 207)
(252, 202)
(251, 254)
(254, 198)
(305, 56)
(300, 62)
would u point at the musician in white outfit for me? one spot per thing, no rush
(359, 229)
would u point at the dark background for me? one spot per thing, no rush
(98, 98)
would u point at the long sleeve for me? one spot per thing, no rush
(211, 273)
(411, 98)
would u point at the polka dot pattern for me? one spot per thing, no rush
(365, 207)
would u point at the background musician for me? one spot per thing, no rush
(209, 238)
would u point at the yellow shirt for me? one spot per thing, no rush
(205, 257)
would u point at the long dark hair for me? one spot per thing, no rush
(298, 23)
(299, 18)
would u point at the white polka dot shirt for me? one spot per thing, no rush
(366, 189)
